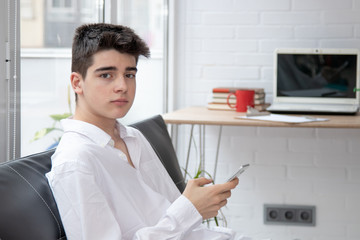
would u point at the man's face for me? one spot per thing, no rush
(108, 90)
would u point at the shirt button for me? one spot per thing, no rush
(111, 143)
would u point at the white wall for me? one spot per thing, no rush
(230, 43)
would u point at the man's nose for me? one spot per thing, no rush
(120, 84)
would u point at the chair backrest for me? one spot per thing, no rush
(27, 206)
(155, 131)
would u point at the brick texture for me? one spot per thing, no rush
(230, 43)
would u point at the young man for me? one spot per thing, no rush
(107, 180)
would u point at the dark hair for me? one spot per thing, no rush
(91, 38)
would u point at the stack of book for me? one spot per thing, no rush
(220, 94)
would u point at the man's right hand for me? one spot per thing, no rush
(208, 200)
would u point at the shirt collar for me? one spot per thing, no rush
(93, 132)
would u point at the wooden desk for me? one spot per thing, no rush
(202, 116)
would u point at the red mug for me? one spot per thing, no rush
(244, 98)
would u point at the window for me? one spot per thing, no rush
(147, 18)
(47, 27)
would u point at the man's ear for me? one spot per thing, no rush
(76, 82)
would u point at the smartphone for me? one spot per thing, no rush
(238, 172)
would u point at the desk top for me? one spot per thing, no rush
(204, 116)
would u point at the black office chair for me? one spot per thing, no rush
(27, 206)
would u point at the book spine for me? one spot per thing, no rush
(225, 95)
(233, 90)
(221, 106)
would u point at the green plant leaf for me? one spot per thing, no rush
(216, 221)
(41, 133)
(58, 117)
(198, 174)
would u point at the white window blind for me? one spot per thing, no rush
(9, 84)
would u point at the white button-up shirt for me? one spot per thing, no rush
(100, 196)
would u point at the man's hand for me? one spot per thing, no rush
(208, 200)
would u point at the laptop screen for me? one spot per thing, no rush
(314, 73)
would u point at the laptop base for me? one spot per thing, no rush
(313, 109)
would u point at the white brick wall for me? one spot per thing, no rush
(230, 43)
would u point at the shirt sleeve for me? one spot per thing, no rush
(86, 215)
(180, 219)
(179, 224)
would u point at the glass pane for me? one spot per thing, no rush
(47, 27)
(68, 3)
(146, 17)
(56, 3)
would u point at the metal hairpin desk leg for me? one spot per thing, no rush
(202, 149)
(217, 151)
(188, 152)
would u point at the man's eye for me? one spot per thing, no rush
(130, 75)
(105, 75)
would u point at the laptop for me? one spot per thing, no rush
(316, 81)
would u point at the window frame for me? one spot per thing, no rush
(110, 17)
(10, 82)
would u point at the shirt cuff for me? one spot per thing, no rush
(185, 213)
(225, 231)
